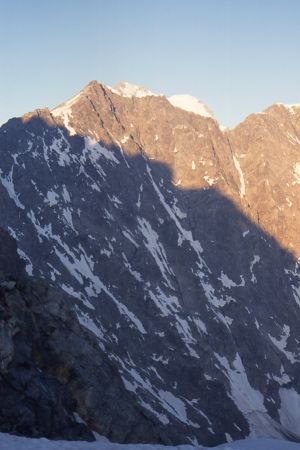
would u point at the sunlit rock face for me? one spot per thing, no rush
(178, 243)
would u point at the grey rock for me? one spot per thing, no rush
(9, 285)
(184, 295)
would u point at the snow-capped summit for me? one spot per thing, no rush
(190, 104)
(131, 90)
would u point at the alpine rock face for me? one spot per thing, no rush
(177, 242)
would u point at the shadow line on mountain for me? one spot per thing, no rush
(207, 206)
(230, 241)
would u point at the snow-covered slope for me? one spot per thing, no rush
(190, 104)
(65, 112)
(8, 442)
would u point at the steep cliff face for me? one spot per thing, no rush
(33, 402)
(55, 381)
(267, 149)
(255, 164)
(170, 235)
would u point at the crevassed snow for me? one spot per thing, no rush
(190, 104)
(10, 442)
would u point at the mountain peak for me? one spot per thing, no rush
(128, 90)
(169, 236)
(131, 90)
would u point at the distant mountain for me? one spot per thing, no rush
(178, 241)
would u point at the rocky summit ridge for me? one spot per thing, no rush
(170, 250)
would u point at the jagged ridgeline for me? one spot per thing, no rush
(168, 249)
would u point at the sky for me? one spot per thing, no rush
(237, 56)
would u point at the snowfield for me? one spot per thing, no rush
(9, 442)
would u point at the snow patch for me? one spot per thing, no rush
(156, 249)
(289, 412)
(126, 89)
(64, 111)
(210, 181)
(190, 104)
(95, 151)
(228, 283)
(294, 140)
(282, 343)
(255, 260)
(8, 184)
(297, 172)
(52, 198)
(29, 266)
(248, 400)
(241, 175)
(168, 305)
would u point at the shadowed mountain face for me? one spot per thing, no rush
(170, 236)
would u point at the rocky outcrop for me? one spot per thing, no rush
(55, 381)
(150, 218)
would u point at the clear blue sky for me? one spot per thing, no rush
(238, 56)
